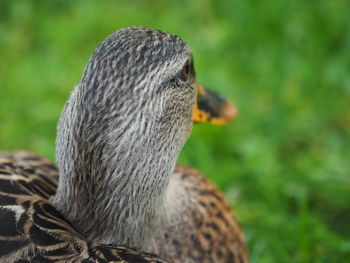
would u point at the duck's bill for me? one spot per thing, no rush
(212, 107)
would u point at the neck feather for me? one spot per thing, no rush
(114, 182)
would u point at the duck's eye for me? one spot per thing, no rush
(185, 72)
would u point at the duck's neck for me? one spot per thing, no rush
(121, 207)
(113, 187)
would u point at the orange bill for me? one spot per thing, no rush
(212, 107)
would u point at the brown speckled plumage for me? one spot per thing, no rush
(120, 197)
(42, 232)
(216, 236)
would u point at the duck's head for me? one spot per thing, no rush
(130, 115)
(139, 86)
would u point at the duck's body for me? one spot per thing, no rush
(118, 140)
(32, 230)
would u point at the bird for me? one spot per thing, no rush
(115, 193)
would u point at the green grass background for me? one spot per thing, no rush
(284, 163)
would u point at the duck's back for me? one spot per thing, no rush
(31, 230)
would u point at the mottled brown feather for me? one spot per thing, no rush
(33, 231)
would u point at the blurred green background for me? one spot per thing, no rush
(284, 163)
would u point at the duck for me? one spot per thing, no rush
(115, 193)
